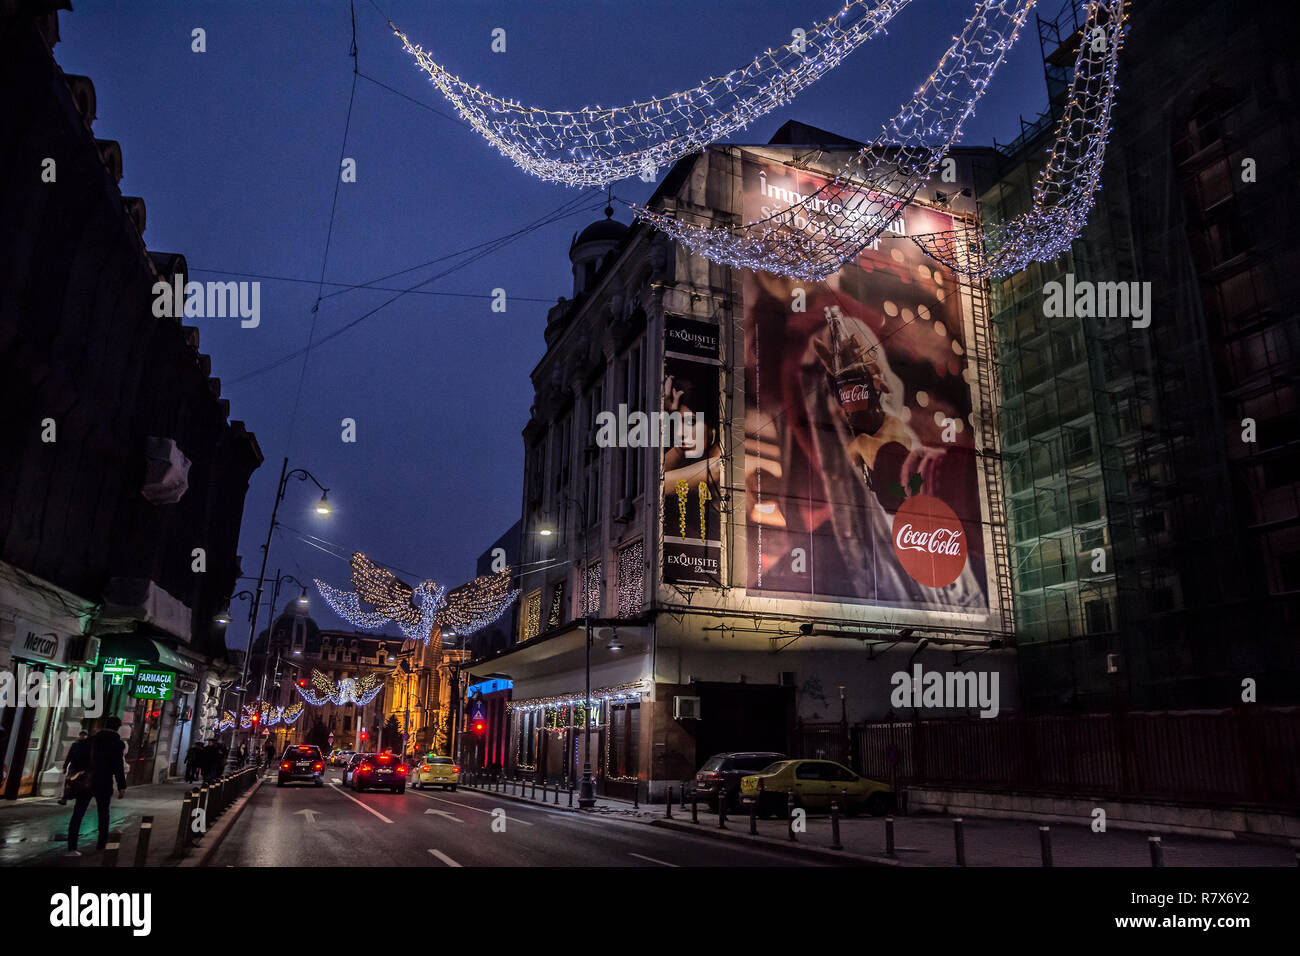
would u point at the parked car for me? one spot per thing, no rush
(356, 760)
(436, 771)
(301, 762)
(722, 773)
(814, 784)
(380, 770)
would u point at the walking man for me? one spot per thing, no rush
(77, 761)
(106, 754)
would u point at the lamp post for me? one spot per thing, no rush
(587, 786)
(322, 508)
(223, 618)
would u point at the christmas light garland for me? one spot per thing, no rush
(268, 714)
(350, 690)
(628, 691)
(596, 146)
(421, 610)
(1067, 186)
(814, 235)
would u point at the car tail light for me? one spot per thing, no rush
(364, 768)
(318, 766)
(713, 776)
(455, 769)
(286, 766)
(401, 768)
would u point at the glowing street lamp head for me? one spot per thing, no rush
(546, 532)
(323, 506)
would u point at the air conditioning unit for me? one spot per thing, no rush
(686, 708)
(86, 652)
(623, 513)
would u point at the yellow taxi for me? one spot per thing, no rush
(435, 771)
(813, 784)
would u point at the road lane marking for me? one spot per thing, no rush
(363, 806)
(444, 857)
(468, 807)
(444, 813)
(309, 814)
(641, 856)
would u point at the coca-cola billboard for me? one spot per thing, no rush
(860, 475)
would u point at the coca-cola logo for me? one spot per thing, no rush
(855, 393)
(929, 541)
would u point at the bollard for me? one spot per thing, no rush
(722, 809)
(753, 815)
(557, 794)
(532, 795)
(695, 807)
(636, 796)
(889, 836)
(683, 796)
(570, 797)
(183, 829)
(835, 827)
(1157, 850)
(111, 848)
(142, 844)
(203, 801)
(668, 805)
(959, 836)
(1045, 843)
(789, 814)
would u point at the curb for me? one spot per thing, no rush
(794, 848)
(218, 832)
(527, 801)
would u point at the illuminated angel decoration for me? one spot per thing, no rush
(225, 723)
(596, 146)
(422, 610)
(270, 714)
(350, 690)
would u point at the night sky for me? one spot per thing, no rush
(236, 154)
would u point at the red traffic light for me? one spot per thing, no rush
(302, 683)
(479, 726)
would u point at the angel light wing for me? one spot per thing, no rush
(477, 604)
(385, 591)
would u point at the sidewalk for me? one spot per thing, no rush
(34, 831)
(929, 840)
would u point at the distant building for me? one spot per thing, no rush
(123, 479)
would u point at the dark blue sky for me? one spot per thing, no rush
(236, 152)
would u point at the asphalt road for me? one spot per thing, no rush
(302, 825)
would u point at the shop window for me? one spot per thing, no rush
(530, 621)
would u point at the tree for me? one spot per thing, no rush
(392, 734)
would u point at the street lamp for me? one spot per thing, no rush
(587, 787)
(322, 508)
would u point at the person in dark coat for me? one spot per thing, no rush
(77, 760)
(107, 750)
(193, 761)
(270, 753)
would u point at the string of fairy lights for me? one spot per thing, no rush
(596, 145)
(267, 714)
(1067, 185)
(348, 690)
(813, 235)
(422, 610)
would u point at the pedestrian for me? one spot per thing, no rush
(270, 753)
(243, 754)
(107, 750)
(193, 761)
(77, 760)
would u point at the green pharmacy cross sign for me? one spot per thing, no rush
(119, 667)
(153, 685)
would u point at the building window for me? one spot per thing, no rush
(591, 454)
(591, 589)
(628, 473)
(347, 724)
(526, 744)
(557, 614)
(622, 752)
(631, 579)
(531, 620)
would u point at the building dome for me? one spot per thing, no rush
(588, 250)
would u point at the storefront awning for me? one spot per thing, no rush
(133, 647)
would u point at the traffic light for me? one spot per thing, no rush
(478, 726)
(301, 682)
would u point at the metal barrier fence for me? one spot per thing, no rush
(1244, 755)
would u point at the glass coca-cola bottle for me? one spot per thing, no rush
(852, 381)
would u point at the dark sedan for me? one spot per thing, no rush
(301, 762)
(380, 770)
(723, 772)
